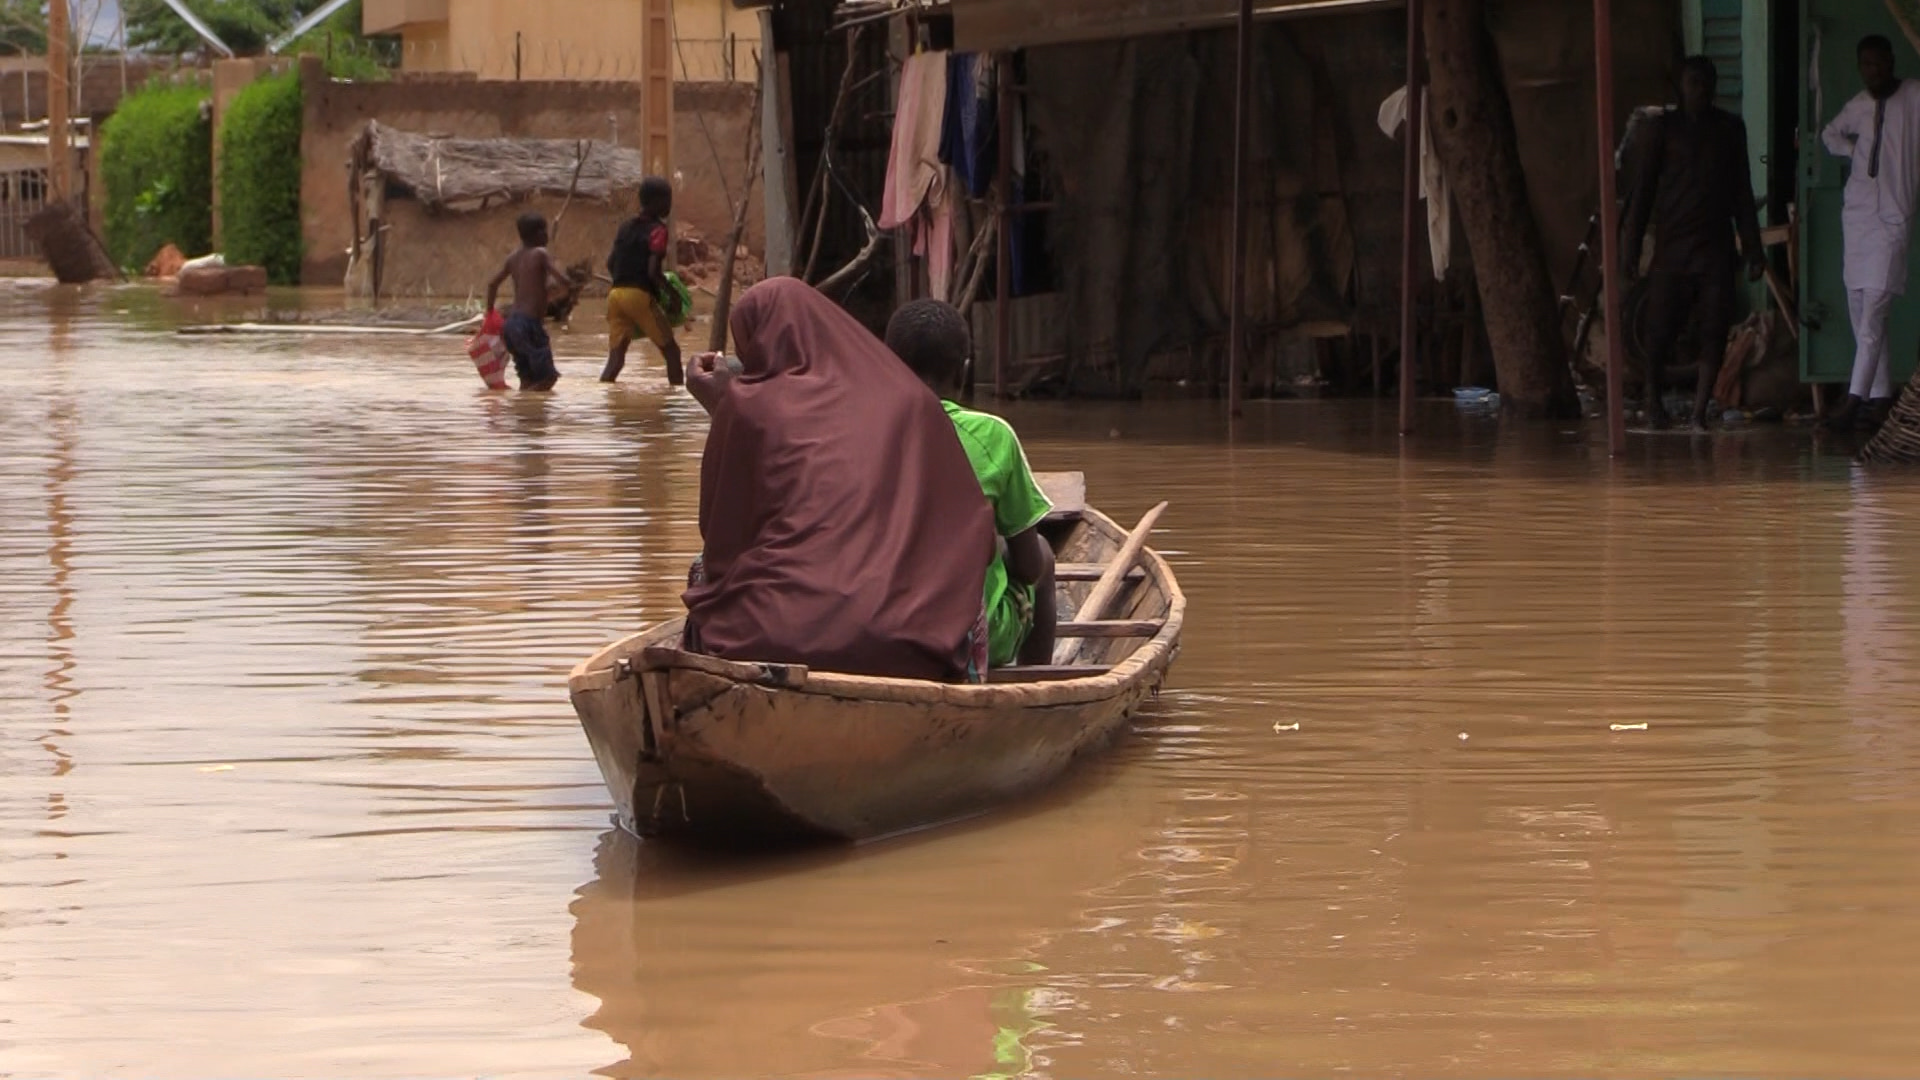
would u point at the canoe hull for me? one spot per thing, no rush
(754, 764)
(722, 758)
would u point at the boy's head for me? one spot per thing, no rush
(934, 340)
(656, 197)
(533, 229)
(1699, 80)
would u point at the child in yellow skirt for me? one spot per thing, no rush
(641, 302)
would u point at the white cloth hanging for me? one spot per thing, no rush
(1433, 181)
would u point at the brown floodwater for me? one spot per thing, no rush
(289, 784)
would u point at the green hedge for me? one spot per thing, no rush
(156, 160)
(260, 178)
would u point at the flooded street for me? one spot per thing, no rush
(290, 786)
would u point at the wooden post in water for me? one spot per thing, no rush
(1609, 225)
(59, 101)
(1242, 125)
(1003, 261)
(1410, 210)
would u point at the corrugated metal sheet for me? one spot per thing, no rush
(981, 25)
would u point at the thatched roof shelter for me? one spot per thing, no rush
(465, 174)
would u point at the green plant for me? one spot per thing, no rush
(260, 178)
(156, 162)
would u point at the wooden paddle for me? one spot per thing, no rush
(1110, 583)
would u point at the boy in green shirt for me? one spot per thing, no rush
(934, 341)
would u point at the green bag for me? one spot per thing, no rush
(678, 314)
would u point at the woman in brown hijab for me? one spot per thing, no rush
(843, 526)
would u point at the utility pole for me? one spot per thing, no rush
(59, 98)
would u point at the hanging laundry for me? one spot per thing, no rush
(969, 137)
(1433, 181)
(916, 196)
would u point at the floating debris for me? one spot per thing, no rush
(1278, 727)
(1627, 727)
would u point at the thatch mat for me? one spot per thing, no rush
(461, 174)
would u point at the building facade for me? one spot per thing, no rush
(714, 40)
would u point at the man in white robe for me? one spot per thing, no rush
(1879, 133)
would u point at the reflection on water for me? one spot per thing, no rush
(289, 785)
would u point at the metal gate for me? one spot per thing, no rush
(22, 195)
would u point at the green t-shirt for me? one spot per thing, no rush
(1001, 467)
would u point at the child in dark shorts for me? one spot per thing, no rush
(525, 335)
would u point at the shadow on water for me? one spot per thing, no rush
(901, 953)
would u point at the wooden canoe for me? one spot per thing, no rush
(707, 751)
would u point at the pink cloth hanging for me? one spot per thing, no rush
(916, 192)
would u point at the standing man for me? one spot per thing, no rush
(1879, 133)
(1695, 184)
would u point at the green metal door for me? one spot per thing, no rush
(1833, 29)
(1720, 41)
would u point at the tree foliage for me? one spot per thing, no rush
(156, 160)
(248, 25)
(260, 178)
(245, 25)
(23, 27)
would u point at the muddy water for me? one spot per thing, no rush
(289, 784)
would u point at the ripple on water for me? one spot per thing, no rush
(289, 784)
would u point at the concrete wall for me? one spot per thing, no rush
(710, 124)
(453, 255)
(713, 37)
(446, 259)
(565, 39)
(545, 40)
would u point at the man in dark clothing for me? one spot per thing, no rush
(1695, 184)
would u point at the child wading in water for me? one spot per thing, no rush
(525, 336)
(641, 301)
(934, 341)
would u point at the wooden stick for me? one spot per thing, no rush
(978, 255)
(1071, 571)
(581, 148)
(860, 261)
(1113, 628)
(1108, 587)
(820, 186)
(1787, 313)
(661, 658)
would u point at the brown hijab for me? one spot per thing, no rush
(843, 525)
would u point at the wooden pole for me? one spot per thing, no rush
(1111, 580)
(1003, 263)
(1609, 225)
(59, 100)
(1410, 210)
(1242, 125)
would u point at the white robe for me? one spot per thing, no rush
(1877, 212)
(1433, 181)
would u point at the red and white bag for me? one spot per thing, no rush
(489, 352)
